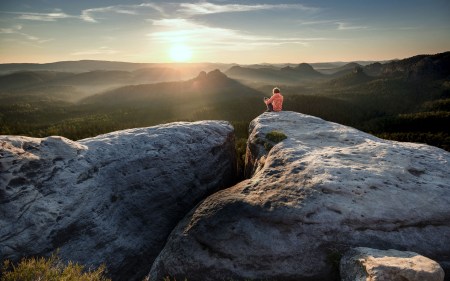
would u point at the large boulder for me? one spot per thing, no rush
(324, 189)
(362, 264)
(111, 199)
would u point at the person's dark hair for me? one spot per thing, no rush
(276, 90)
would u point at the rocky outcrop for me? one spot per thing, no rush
(323, 190)
(361, 264)
(111, 199)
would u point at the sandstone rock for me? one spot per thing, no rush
(323, 190)
(110, 199)
(363, 264)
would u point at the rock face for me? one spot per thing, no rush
(325, 189)
(111, 199)
(361, 264)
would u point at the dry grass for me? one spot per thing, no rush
(50, 269)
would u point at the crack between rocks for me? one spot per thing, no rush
(6, 237)
(387, 228)
(28, 205)
(212, 251)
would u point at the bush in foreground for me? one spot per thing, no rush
(50, 269)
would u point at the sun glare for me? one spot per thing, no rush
(180, 53)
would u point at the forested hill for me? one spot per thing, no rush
(406, 100)
(187, 69)
(73, 66)
(417, 68)
(206, 87)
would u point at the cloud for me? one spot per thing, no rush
(93, 15)
(334, 24)
(44, 16)
(186, 9)
(204, 8)
(98, 51)
(317, 22)
(177, 31)
(17, 30)
(90, 15)
(347, 26)
(181, 28)
(11, 30)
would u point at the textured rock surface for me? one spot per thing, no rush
(113, 198)
(323, 190)
(366, 264)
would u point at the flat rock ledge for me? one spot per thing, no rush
(111, 199)
(323, 190)
(362, 264)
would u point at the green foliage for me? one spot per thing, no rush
(272, 138)
(50, 269)
(276, 136)
(241, 148)
(268, 146)
(437, 105)
(440, 139)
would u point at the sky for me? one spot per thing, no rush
(244, 32)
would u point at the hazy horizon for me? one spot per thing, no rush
(217, 62)
(243, 32)
(212, 62)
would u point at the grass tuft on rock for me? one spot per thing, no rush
(50, 269)
(275, 136)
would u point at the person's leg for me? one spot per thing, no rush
(269, 107)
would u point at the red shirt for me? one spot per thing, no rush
(277, 101)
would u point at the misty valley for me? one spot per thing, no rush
(405, 100)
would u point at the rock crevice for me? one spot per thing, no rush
(323, 190)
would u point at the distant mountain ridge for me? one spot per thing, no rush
(288, 74)
(302, 71)
(355, 77)
(75, 86)
(94, 65)
(419, 67)
(87, 83)
(28, 78)
(82, 84)
(213, 85)
(338, 71)
(414, 68)
(74, 66)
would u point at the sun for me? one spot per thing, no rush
(180, 53)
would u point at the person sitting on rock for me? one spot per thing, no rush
(274, 103)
